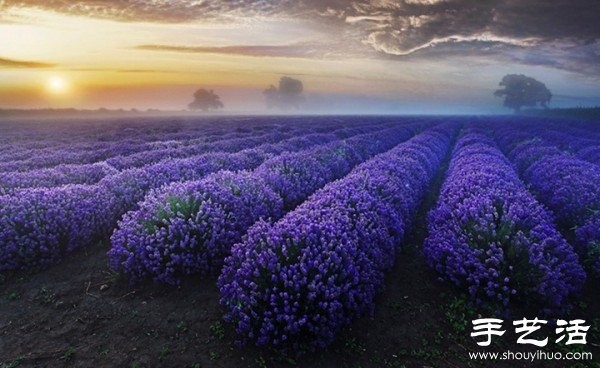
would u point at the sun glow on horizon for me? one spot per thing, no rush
(57, 85)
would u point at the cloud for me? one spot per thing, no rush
(453, 44)
(574, 57)
(410, 22)
(22, 64)
(296, 50)
(558, 34)
(165, 11)
(561, 33)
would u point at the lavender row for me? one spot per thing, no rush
(177, 144)
(93, 173)
(39, 226)
(28, 137)
(114, 155)
(588, 239)
(146, 157)
(124, 146)
(523, 146)
(89, 137)
(230, 144)
(489, 235)
(584, 148)
(590, 154)
(189, 227)
(582, 143)
(568, 186)
(12, 182)
(130, 186)
(291, 285)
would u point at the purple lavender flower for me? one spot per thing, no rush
(567, 185)
(490, 236)
(293, 284)
(186, 227)
(207, 220)
(39, 226)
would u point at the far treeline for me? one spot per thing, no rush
(522, 91)
(591, 113)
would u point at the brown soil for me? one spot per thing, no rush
(78, 314)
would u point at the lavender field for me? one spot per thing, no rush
(292, 241)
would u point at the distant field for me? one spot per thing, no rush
(590, 113)
(325, 241)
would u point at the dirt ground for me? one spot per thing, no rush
(78, 314)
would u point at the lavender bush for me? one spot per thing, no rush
(293, 284)
(281, 182)
(39, 226)
(186, 227)
(56, 176)
(569, 187)
(489, 235)
(588, 239)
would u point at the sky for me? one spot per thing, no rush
(380, 56)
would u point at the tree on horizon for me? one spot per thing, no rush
(287, 96)
(520, 90)
(205, 100)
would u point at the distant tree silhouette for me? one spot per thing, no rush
(289, 95)
(271, 96)
(205, 100)
(520, 90)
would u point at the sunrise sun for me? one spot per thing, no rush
(57, 85)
